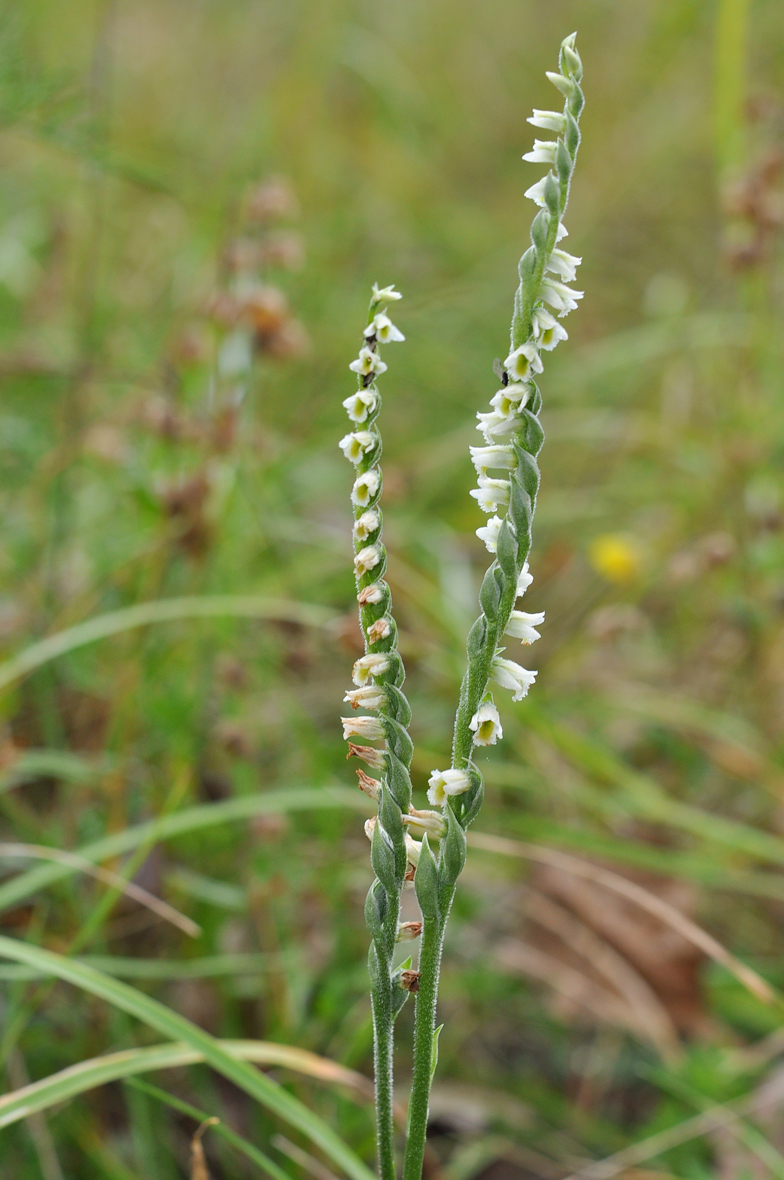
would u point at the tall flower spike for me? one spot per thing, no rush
(512, 425)
(512, 431)
(378, 675)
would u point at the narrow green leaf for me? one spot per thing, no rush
(156, 1015)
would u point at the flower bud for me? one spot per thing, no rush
(408, 931)
(409, 981)
(385, 294)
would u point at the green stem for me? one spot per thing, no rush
(383, 1062)
(424, 1032)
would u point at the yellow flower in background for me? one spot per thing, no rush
(616, 557)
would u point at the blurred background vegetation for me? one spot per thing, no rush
(151, 155)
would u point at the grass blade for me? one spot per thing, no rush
(190, 819)
(111, 1067)
(162, 611)
(170, 1024)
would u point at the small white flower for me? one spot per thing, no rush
(489, 533)
(369, 826)
(548, 120)
(523, 361)
(564, 265)
(360, 404)
(357, 444)
(370, 595)
(369, 666)
(496, 426)
(510, 675)
(367, 524)
(421, 822)
(523, 626)
(536, 192)
(547, 330)
(446, 782)
(562, 232)
(562, 298)
(382, 294)
(486, 725)
(524, 581)
(383, 329)
(379, 630)
(367, 559)
(491, 493)
(484, 458)
(369, 697)
(365, 489)
(543, 151)
(508, 404)
(368, 362)
(364, 727)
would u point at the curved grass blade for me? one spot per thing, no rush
(170, 1024)
(190, 819)
(202, 967)
(161, 611)
(111, 1067)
